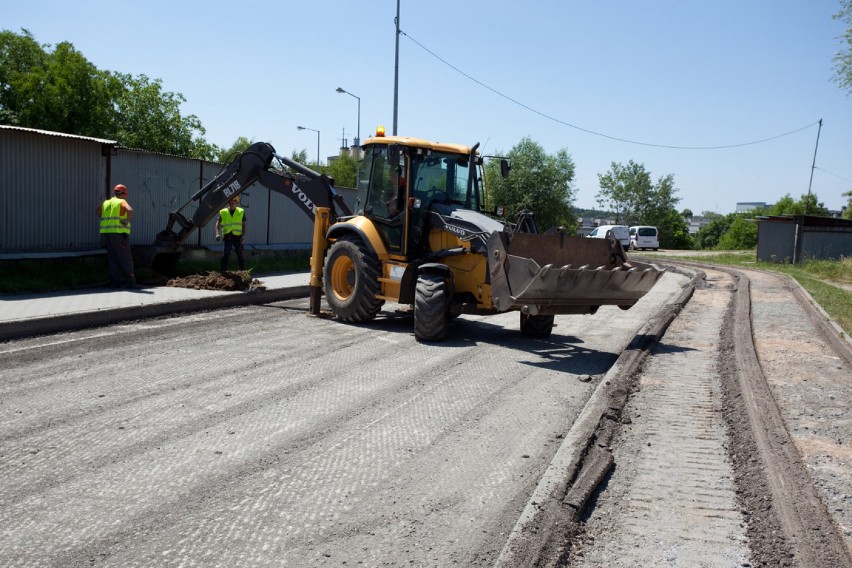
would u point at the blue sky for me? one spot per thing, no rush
(569, 74)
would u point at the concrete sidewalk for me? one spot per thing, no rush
(51, 312)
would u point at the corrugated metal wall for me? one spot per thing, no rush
(51, 188)
(158, 184)
(826, 243)
(775, 241)
(801, 238)
(56, 183)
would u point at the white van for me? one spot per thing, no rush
(620, 232)
(644, 237)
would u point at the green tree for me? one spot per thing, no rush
(847, 212)
(708, 235)
(58, 90)
(19, 54)
(625, 190)
(150, 118)
(741, 234)
(674, 231)
(227, 155)
(300, 157)
(806, 205)
(537, 181)
(843, 58)
(342, 170)
(61, 90)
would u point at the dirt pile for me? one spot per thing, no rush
(229, 281)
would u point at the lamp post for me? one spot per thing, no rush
(318, 139)
(357, 136)
(358, 133)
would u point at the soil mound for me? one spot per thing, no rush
(229, 281)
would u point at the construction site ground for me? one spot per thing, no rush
(687, 485)
(684, 490)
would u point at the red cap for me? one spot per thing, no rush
(120, 188)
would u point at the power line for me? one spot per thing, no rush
(832, 174)
(586, 130)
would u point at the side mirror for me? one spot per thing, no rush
(504, 168)
(394, 153)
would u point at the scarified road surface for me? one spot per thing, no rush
(261, 437)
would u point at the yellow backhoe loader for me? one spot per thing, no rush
(421, 235)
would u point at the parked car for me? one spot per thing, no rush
(620, 232)
(644, 237)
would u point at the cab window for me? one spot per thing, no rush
(382, 186)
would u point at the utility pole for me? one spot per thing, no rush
(813, 165)
(396, 71)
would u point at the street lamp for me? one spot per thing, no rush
(358, 136)
(318, 139)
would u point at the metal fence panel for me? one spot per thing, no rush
(57, 181)
(51, 187)
(775, 241)
(826, 244)
(156, 185)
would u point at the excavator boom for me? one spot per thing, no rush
(308, 190)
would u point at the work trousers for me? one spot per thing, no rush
(120, 258)
(235, 242)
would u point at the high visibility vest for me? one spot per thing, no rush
(112, 219)
(232, 223)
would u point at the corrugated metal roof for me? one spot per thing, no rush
(57, 134)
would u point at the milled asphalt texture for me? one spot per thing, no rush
(26, 315)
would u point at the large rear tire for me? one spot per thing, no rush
(351, 280)
(539, 327)
(430, 307)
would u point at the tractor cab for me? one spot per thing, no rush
(403, 181)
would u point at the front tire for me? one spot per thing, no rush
(537, 326)
(430, 307)
(351, 280)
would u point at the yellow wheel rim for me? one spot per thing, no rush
(343, 278)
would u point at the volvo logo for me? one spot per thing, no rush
(457, 230)
(305, 199)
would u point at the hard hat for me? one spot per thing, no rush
(120, 188)
(235, 199)
(380, 131)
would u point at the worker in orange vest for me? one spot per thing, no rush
(232, 225)
(115, 214)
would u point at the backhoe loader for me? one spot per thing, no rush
(421, 235)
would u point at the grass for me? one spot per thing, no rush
(34, 276)
(823, 279)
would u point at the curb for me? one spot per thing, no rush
(70, 322)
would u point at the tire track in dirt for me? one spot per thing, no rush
(671, 497)
(775, 485)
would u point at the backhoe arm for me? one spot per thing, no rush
(308, 190)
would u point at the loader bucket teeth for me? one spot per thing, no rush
(533, 272)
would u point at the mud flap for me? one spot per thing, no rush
(561, 274)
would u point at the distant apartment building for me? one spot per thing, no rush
(744, 206)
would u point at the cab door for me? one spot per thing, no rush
(386, 196)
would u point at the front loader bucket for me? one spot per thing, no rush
(560, 274)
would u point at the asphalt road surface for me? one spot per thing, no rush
(258, 436)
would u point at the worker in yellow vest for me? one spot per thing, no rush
(115, 214)
(232, 226)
